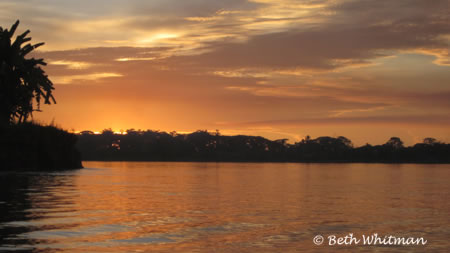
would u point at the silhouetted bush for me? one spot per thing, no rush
(31, 146)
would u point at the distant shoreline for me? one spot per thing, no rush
(203, 146)
(293, 162)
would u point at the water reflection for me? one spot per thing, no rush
(222, 207)
(31, 202)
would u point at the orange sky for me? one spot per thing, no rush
(367, 70)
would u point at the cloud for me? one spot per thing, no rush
(443, 120)
(263, 33)
(84, 23)
(136, 59)
(75, 79)
(329, 47)
(72, 64)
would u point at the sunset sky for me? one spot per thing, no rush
(367, 70)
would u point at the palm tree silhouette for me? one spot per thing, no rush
(22, 81)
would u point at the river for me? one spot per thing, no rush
(224, 207)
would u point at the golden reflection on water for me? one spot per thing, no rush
(223, 207)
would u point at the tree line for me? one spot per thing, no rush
(202, 145)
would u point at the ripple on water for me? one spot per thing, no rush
(232, 207)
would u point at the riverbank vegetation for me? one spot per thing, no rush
(205, 146)
(36, 147)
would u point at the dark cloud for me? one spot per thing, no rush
(335, 44)
(443, 119)
(202, 8)
(374, 11)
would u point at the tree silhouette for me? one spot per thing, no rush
(430, 141)
(394, 142)
(22, 81)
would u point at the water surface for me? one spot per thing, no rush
(223, 207)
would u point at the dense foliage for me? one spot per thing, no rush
(31, 146)
(22, 81)
(204, 146)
